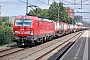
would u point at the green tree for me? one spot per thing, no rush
(85, 23)
(5, 35)
(5, 19)
(5, 31)
(53, 12)
(71, 20)
(0, 22)
(39, 12)
(36, 11)
(63, 13)
(43, 13)
(7, 23)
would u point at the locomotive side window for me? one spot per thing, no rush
(23, 22)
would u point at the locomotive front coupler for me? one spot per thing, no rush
(22, 40)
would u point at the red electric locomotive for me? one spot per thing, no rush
(31, 29)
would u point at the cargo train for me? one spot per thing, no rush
(30, 30)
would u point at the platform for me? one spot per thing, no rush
(80, 50)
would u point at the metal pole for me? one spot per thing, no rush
(53, 0)
(72, 22)
(74, 2)
(81, 4)
(48, 2)
(0, 10)
(58, 12)
(81, 18)
(26, 6)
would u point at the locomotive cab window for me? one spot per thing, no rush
(23, 22)
(27, 22)
(18, 23)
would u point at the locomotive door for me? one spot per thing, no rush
(38, 28)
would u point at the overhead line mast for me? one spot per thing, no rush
(0, 10)
(26, 7)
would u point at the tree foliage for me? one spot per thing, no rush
(5, 31)
(8, 23)
(44, 13)
(0, 22)
(5, 35)
(71, 21)
(39, 12)
(85, 23)
(5, 19)
(53, 11)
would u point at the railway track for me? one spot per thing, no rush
(37, 52)
(57, 57)
(8, 47)
(40, 54)
(9, 51)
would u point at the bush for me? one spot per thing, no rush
(0, 22)
(7, 23)
(5, 35)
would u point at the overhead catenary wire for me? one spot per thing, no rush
(67, 1)
(42, 2)
(82, 1)
(29, 6)
(70, 3)
(53, 1)
(63, 3)
(48, 4)
(55, 7)
(0, 10)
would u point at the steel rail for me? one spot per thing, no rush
(11, 52)
(56, 48)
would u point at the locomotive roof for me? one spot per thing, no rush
(40, 18)
(46, 20)
(27, 17)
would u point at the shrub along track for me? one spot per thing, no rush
(40, 51)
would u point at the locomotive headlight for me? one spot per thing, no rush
(17, 32)
(32, 32)
(13, 32)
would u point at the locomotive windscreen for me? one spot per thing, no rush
(23, 22)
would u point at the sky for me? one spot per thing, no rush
(15, 7)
